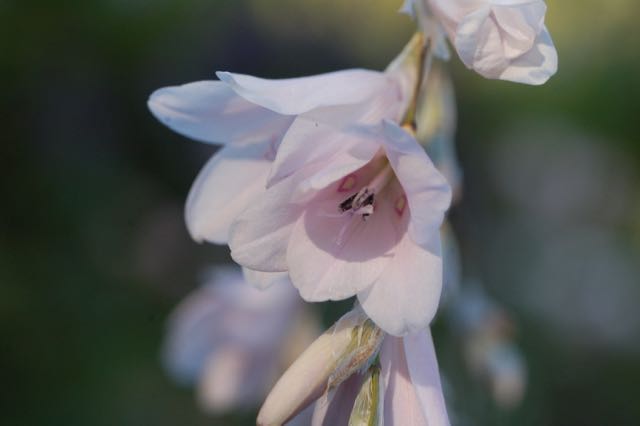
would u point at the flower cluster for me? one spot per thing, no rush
(337, 185)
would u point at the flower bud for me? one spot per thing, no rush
(345, 348)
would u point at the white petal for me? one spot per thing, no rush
(428, 193)
(226, 186)
(405, 298)
(323, 136)
(260, 235)
(508, 41)
(210, 111)
(537, 65)
(425, 376)
(401, 404)
(297, 95)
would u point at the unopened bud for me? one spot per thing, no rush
(348, 346)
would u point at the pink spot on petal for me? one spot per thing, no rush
(348, 183)
(400, 205)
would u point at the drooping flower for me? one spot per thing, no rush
(382, 186)
(354, 207)
(250, 117)
(499, 39)
(233, 340)
(360, 376)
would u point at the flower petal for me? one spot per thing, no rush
(405, 297)
(210, 111)
(425, 376)
(507, 40)
(427, 191)
(232, 179)
(333, 256)
(537, 65)
(322, 136)
(260, 235)
(401, 404)
(297, 95)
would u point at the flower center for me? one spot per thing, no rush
(363, 202)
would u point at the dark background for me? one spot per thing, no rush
(94, 253)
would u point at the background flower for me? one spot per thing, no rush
(233, 340)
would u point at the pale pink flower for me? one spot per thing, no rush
(354, 213)
(499, 39)
(409, 392)
(233, 340)
(250, 116)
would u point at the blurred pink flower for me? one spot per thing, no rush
(409, 392)
(233, 340)
(499, 39)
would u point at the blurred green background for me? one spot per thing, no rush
(94, 253)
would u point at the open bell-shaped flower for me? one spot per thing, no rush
(364, 221)
(250, 116)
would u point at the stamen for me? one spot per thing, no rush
(362, 202)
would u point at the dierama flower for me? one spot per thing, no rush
(499, 39)
(250, 117)
(354, 208)
(233, 340)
